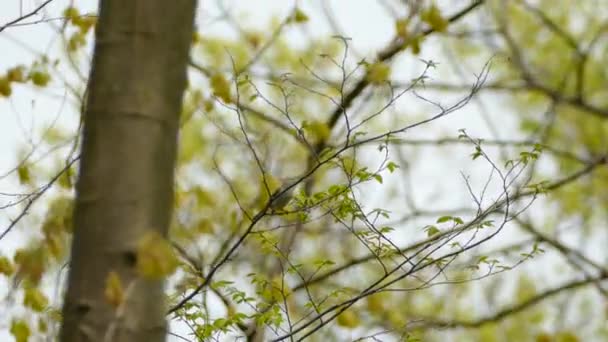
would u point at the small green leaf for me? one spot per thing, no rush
(391, 166)
(444, 219)
(432, 230)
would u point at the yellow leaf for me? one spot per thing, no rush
(204, 198)
(204, 226)
(375, 303)
(30, 263)
(566, 336)
(20, 330)
(5, 87)
(55, 245)
(58, 218)
(15, 74)
(299, 16)
(23, 172)
(40, 78)
(416, 46)
(155, 256)
(272, 182)
(76, 41)
(71, 13)
(348, 319)
(316, 130)
(433, 17)
(6, 267)
(65, 181)
(196, 38)
(280, 290)
(114, 291)
(84, 23)
(401, 28)
(54, 314)
(543, 337)
(488, 333)
(54, 136)
(208, 105)
(221, 87)
(42, 325)
(267, 183)
(378, 73)
(35, 299)
(254, 38)
(396, 318)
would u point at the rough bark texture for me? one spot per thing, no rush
(125, 187)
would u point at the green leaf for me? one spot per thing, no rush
(432, 230)
(391, 166)
(477, 153)
(155, 256)
(444, 219)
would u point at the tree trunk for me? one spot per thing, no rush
(125, 186)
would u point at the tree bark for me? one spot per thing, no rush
(125, 186)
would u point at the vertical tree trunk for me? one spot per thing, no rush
(125, 187)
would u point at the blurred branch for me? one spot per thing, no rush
(533, 84)
(512, 310)
(572, 255)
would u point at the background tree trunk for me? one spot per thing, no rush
(125, 187)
